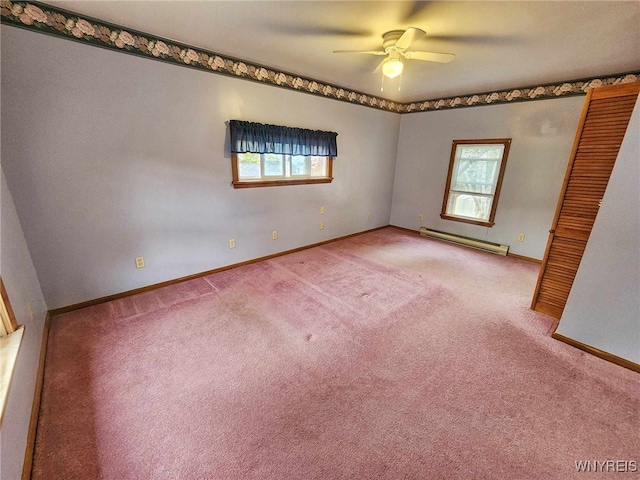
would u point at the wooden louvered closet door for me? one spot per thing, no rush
(602, 126)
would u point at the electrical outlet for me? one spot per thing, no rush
(321, 210)
(274, 235)
(420, 217)
(368, 216)
(232, 243)
(30, 311)
(321, 225)
(521, 237)
(139, 262)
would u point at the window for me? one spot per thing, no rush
(475, 175)
(10, 339)
(8, 324)
(268, 155)
(269, 169)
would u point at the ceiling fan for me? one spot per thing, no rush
(396, 44)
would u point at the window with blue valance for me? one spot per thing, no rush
(250, 137)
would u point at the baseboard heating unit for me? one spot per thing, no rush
(469, 242)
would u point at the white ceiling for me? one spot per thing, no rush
(498, 45)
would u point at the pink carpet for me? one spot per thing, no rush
(382, 356)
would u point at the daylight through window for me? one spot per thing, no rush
(10, 338)
(274, 166)
(473, 185)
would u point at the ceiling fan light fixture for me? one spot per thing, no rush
(392, 68)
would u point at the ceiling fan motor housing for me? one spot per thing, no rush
(389, 39)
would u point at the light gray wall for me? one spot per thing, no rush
(603, 308)
(542, 133)
(23, 289)
(111, 156)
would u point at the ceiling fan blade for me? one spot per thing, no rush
(309, 30)
(379, 67)
(490, 40)
(366, 52)
(409, 36)
(431, 56)
(415, 11)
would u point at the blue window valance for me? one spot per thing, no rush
(249, 137)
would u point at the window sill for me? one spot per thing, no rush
(481, 223)
(9, 348)
(279, 183)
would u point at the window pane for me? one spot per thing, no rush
(273, 165)
(318, 166)
(481, 151)
(476, 176)
(249, 165)
(471, 206)
(300, 165)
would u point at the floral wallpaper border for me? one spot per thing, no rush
(40, 17)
